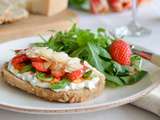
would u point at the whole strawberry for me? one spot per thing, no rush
(120, 51)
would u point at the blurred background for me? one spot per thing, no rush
(21, 18)
(130, 18)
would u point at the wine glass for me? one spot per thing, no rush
(133, 28)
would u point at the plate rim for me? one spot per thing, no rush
(92, 108)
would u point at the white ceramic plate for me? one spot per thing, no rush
(17, 100)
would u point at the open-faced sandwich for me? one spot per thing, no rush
(60, 68)
(53, 76)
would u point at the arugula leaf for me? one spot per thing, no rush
(87, 74)
(104, 53)
(39, 44)
(124, 72)
(136, 62)
(138, 76)
(104, 38)
(126, 79)
(78, 52)
(111, 84)
(114, 79)
(85, 36)
(60, 85)
(107, 66)
(101, 30)
(116, 67)
(94, 58)
(129, 80)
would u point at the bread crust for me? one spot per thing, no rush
(71, 96)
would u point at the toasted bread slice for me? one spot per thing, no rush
(71, 96)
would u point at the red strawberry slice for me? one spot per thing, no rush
(37, 59)
(75, 75)
(18, 60)
(120, 52)
(18, 66)
(39, 66)
(58, 74)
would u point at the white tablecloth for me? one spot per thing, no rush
(150, 17)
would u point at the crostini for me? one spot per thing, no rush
(53, 76)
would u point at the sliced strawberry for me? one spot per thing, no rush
(75, 74)
(58, 74)
(18, 60)
(39, 66)
(18, 66)
(37, 59)
(120, 52)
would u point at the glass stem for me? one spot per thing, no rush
(134, 12)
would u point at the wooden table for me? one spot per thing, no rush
(37, 24)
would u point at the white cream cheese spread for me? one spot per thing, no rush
(31, 78)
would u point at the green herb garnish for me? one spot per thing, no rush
(43, 76)
(87, 74)
(60, 85)
(27, 68)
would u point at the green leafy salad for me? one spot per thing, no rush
(93, 47)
